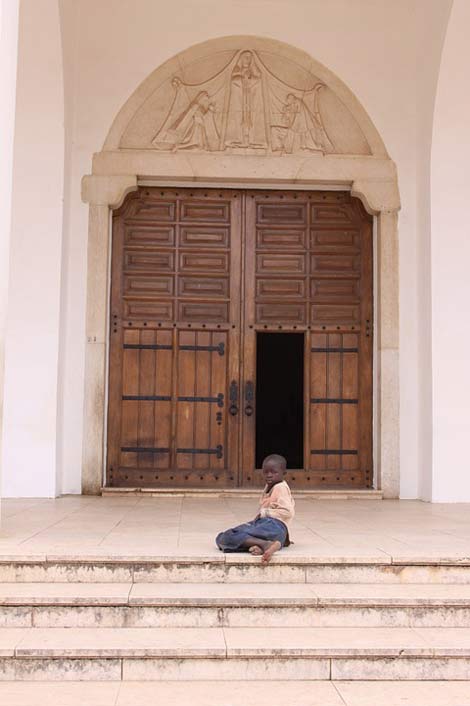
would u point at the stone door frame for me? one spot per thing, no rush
(380, 198)
(372, 178)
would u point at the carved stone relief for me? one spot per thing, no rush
(248, 102)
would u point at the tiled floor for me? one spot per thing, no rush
(186, 526)
(236, 693)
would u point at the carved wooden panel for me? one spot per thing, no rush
(148, 285)
(202, 237)
(203, 311)
(147, 261)
(279, 288)
(216, 211)
(139, 233)
(148, 310)
(331, 214)
(155, 208)
(212, 287)
(284, 211)
(282, 238)
(333, 290)
(203, 262)
(279, 263)
(335, 263)
(273, 313)
(325, 239)
(335, 314)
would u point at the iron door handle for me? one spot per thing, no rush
(249, 398)
(233, 396)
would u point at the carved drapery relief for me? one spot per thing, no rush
(248, 102)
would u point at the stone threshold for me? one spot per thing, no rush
(261, 693)
(243, 561)
(331, 494)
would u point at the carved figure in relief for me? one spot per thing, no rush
(245, 124)
(194, 128)
(244, 106)
(300, 129)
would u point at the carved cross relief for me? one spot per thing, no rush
(244, 107)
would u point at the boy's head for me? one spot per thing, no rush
(274, 469)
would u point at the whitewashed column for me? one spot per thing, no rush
(450, 258)
(33, 327)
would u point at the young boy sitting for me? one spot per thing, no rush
(268, 532)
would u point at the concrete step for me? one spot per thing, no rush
(236, 693)
(235, 568)
(233, 605)
(215, 654)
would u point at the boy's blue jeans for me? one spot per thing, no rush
(265, 528)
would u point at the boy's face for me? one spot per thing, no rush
(272, 472)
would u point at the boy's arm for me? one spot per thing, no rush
(281, 502)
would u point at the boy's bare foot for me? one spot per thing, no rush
(256, 551)
(273, 547)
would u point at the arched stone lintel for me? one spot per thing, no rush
(107, 190)
(377, 196)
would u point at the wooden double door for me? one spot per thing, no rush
(241, 324)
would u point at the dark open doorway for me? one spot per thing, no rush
(280, 397)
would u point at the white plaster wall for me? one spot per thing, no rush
(30, 422)
(450, 198)
(388, 55)
(426, 93)
(8, 63)
(71, 357)
(375, 46)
